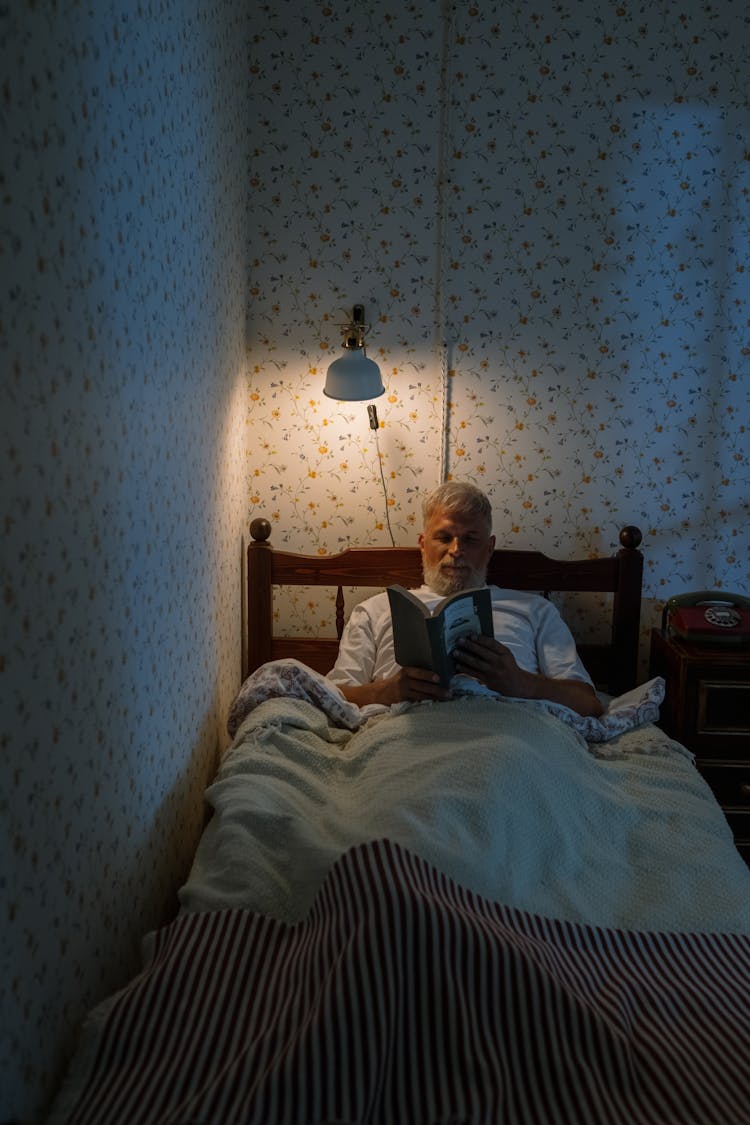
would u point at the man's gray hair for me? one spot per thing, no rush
(460, 497)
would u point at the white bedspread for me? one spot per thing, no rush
(504, 798)
(293, 678)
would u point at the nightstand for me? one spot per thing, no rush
(707, 708)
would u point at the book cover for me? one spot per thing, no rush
(424, 638)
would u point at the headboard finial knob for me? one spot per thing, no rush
(630, 537)
(260, 530)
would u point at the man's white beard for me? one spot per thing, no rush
(445, 580)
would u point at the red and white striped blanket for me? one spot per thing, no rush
(404, 999)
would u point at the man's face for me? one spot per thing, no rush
(456, 550)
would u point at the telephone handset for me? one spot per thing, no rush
(709, 617)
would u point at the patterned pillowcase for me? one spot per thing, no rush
(625, 712)
(292, 678)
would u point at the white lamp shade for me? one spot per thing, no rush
(353, 378)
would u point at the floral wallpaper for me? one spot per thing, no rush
(124, 502)
(545, 210)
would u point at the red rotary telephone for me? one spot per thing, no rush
(709, 617)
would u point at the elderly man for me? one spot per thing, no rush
(532, 656)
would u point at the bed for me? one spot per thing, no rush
(482, 910)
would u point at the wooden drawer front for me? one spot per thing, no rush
(730, 784)
(717, 718)
(723, 707)
(739, 822)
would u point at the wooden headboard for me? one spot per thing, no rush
(612, 666)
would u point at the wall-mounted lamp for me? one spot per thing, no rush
(354, 377)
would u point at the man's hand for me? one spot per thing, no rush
(494, 665)
(409, 684)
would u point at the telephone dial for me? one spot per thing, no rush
(709, 617)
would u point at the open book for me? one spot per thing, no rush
(426, 639)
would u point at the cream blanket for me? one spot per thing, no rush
(293, 679)
(501, 796)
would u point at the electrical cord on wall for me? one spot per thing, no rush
(440, 306)
(372, 414)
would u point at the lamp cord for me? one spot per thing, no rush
(441, 313)
(375, 426)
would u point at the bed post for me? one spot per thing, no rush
(626, 613)
(259, 594)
